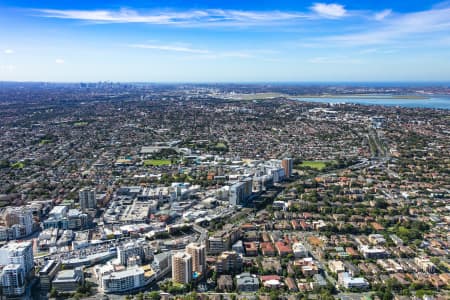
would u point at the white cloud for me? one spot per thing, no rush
(427, 25)
(205, 53)
(7, 68)
(334, 60)
(383, 14)
(170, 48)
(59, 61)
(207, 17)
(8, 51)
(329, 10)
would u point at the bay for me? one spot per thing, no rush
(434, 102)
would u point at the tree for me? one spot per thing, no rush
(154, 295)
(191, 296)
(274, 295)
(53, 293)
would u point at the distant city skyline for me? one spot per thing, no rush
(225, 41)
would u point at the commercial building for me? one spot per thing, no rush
(182, 267)
(87, 199)
(68, 280)
(62, 217)
(198, 254)
(48, 273)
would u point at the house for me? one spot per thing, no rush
(251, 249)
(291, 285)
(267, 249)
(283, 248)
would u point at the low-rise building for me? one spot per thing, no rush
(225, 283)
(246, 282)
(349, 282)
(122, 281)
(68, 280)
(299, 250)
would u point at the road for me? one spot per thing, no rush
(321, 262)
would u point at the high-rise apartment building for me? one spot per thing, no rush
(18, 261)
(18, 253)
(13, 280)
(198, 254)
(229, 262)
(240, 192)
(182, 267)
(20, 220)
(87, 199)
(287, 164)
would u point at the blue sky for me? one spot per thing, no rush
(224, 41)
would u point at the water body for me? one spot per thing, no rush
(435, 102)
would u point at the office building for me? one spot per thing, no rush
(62, 217)
(87, 199)
(48, 273)
(182, 267)
(68, 280)
(198, 254)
